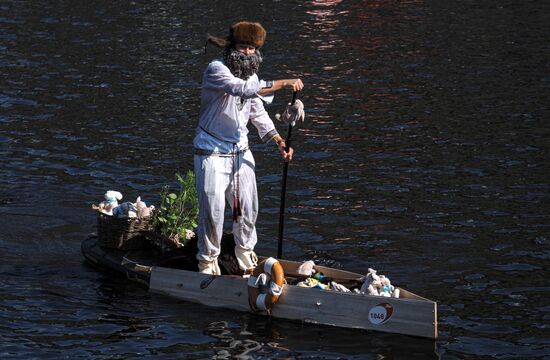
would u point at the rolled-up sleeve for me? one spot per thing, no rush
(261, 120)
(217, 76)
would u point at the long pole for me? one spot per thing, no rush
(283, 188)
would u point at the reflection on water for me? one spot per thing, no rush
(423, 155)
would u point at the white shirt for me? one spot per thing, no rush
(223, 118)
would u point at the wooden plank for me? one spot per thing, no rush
(404, 316)
(228, 292)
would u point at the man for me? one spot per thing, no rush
(232, 96)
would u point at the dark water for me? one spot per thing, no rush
(424, 155)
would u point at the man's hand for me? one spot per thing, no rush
(286, 84)
(281, 146)
(286, 155)
(293, 84)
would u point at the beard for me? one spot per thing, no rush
(241, 65)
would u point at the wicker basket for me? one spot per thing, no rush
(123, 233)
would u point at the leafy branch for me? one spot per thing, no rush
(178, 212)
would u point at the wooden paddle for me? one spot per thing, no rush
(283, 187)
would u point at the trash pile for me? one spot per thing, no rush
(111, 207)
(370, 284)
(378, 285)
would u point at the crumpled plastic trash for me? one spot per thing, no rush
(293, 113)
(307, 268)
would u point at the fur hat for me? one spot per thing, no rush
(245, 32)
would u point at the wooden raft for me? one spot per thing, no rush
(410, 314)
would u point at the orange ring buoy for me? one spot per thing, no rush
(268, 272)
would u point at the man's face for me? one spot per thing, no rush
(246, 49)
(243, 60)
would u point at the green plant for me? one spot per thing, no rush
(179, 211)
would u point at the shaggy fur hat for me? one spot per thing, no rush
(242, 32)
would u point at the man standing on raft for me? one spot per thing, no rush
(232, 96)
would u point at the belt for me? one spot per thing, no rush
(202, 152)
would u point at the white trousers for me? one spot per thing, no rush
(216, 178)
